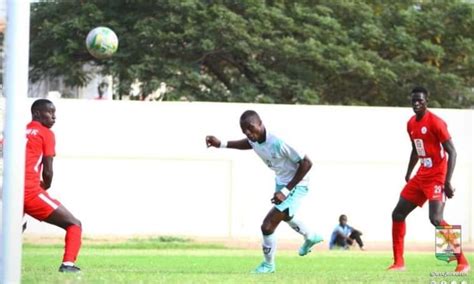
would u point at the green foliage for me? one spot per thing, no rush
(294, 52)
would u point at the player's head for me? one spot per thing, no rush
(343, 219)
(252, 126)
(419, 99)
(44, 111)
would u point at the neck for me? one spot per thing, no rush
(264, 137)
(420, 115)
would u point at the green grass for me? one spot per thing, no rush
(182, 261)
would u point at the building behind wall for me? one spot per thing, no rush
(55, 88)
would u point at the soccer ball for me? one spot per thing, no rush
(101, 42)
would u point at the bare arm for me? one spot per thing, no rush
(452, 155)
(303, 168)
(242, 144)
(412, 162)
(47, 172)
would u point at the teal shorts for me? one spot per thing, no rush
(293, 200)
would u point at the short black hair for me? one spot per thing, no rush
(40, 104)
(342, 216)
(250, 115)
(419, 89)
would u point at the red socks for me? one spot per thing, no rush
(443, 223)
(461, 258)
(73, 243)
(398, 238)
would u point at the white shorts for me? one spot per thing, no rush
(293, 200)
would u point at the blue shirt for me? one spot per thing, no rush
(345, 230)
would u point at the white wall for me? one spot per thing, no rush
(128, 167)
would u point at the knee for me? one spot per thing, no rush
(74, 222)
(267, 228)
(398, 215)
(435, 220)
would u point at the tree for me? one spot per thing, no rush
(294, 52)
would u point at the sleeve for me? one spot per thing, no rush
(442, 132)
(49, 144)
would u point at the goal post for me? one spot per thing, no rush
(16, 91)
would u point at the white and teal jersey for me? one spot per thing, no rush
(280, 157)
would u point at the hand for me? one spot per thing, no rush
(407, 177)
(212, 141)
(278, 198)
(43, 185)
(449, 190)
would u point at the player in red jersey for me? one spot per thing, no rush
(430, 143)
(40, 151)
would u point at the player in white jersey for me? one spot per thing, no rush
(291, 168)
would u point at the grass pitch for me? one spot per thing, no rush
(178, 261)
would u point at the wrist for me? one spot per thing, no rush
(223, 144)
(285, 191)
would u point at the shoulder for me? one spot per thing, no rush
(35, 128)
(277, 139)
(32, 125)
(280, 145)
(273, 139)
(437, 123)
(435, 118)
(46, 133)
(338, 228)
